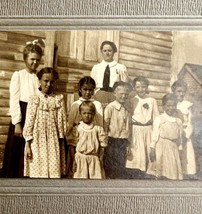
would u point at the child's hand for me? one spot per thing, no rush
(128, 151)
(152, 155)
(101, 153)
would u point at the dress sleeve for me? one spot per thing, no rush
(102, 137)
(30, 117)
(155, 111)
(107, 116)
(62, 120)
(123, 73)
(93, 74)
(155, 132)
(189, 129)
(15, 112)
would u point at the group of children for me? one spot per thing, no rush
(124, 138)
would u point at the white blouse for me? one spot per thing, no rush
(144, 114)
(117, 72)
(23, 85)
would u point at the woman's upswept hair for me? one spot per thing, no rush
(106, 42)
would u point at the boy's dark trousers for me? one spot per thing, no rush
(115, 158)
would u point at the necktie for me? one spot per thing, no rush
(106, 78)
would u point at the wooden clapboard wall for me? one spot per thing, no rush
(11, 59)
(77, 52)
(148, 54)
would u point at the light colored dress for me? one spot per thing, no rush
(187, 154)
(166, 140)
(45, 124)
(89, 139)
(144, 112)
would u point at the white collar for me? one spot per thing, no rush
(82, 99)
(111, 64)
(85, 126)
(169, 118)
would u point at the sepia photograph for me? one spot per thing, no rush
(101, 104)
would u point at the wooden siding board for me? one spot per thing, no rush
(11, 65)
(145, 53)
(145, 60)
(156, 35)
(5, 46)
(145, 39)
(5, 120)
(149, 74)
(16, 38)
(142, 66)
(145, 46)
(3, 130)
(34, 33)
(4, 93)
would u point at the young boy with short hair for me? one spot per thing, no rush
(117, 126)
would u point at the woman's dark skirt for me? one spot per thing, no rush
(13, 164)
(105, 97)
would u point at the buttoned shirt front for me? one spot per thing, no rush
(117, 119)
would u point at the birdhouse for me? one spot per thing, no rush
(192, 75)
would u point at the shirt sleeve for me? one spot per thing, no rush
(30, 117)
(155, 132)
(102, 137)
(15, 112)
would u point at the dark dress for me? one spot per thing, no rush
(13, 163)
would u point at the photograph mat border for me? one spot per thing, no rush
(23, 189)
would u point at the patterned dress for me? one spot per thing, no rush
(45, 124)
(166, 139)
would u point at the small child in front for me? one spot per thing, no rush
(117, 126)
(89, 140)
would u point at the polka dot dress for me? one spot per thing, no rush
(45, 124)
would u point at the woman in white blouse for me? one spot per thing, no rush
(107, 73)
(24, 83)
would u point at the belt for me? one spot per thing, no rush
(149, 123)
